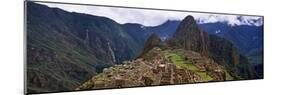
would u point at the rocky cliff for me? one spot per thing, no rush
(190, 37)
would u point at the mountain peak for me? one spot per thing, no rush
(153, 41)
(191, 37)
(170, 22)
(188, 24)
(189, 17)
(189, 20)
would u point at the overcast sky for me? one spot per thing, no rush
(155, 17)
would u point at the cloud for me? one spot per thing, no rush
(156, 17)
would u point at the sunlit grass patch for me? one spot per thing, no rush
(187, 64)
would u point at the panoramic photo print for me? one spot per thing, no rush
(73, 47)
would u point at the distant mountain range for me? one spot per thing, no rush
(247, 38)
(66, 49)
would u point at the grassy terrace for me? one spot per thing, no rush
(187, 64)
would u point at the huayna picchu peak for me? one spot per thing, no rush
(77, 51)
(190, 37)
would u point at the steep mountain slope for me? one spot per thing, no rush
(248, 39)
(137, 31)
(190, 37)
(65, 49)
(153, 41)
(245, 37)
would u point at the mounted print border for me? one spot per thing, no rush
(78, 47)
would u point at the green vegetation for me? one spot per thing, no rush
(87, 85)
(187, 64)
(228, 76)
(204, 75)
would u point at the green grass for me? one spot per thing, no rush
(204, 75)
(87, 85)
(187, 64)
